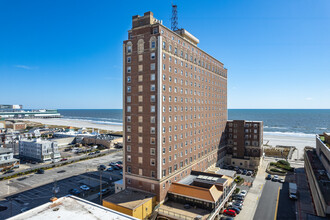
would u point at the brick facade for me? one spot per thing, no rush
(175, 107)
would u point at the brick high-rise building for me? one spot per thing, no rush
(175, 106)
(244, 143)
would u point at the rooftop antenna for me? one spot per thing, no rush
(174, 19)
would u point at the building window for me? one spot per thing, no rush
(128, 69)
(152, 98)
(152, 140)
(140, 78)
(140, 88)
(129, 99)
(128, 79)
(140, 129)
(128, 89)
(152, 162)
(152, 119)
(164, 45)
(128, 118)
(152, 77)
(152, 56)
(140, 58)
(128, 138)
(128, 128)
(140, 160)
(140, 140)
(152, 108)
(152, 130)
(152, 66)
(129, 180)
(128, 158)
(128, 108)
(128, 59)
(140, 109)
(140, 98)
(153, 88)
(140, 68)
(129, 47)
(128, 148)
(152, 151)
(153, 44)
(140, 119)
(155, 30)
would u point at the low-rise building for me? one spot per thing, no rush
(119, 186)
(39, 150)
(71, 207)
(206, 192)
(317, 165)
(16, 126)
(7, 159)
(244, 143)
(132, 202)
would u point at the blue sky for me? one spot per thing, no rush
(68, 54)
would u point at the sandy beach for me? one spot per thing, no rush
(76, 123)
(300, 142)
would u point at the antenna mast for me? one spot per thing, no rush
(174, 19)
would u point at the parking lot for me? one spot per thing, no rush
(27, 192)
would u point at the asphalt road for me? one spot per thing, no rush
(268, 200)
(37, 189)
(267, 206)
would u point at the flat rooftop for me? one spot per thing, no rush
(71, 207)
(130, 199)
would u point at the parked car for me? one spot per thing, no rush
(63, 159)
(275, 178)
(282, 180)
(74, 191)
(244, 172)
(119, 162)
(238, 197)
(102, 167)
(109, 169)
(237, 210)
(232, 204)
(34, 162)
(237, 202)
(119, 166)
(239, 171)
(104, 191)
(116, 168)
(268, 177)
(121, 173)
(112, 164)
(249, 173)
(84, 187)
(230, 212)
(91, 153)
(243, 193)
(97, 152)
(40, 171)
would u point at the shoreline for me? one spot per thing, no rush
(273, 139)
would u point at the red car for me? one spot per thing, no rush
(230, 212)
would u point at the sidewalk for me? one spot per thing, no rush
(252, 198)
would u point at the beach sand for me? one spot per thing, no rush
(300, 142)
(75, 123)
(287, 140)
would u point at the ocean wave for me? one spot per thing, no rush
(280, 128)
(294, 134)
(322, 128)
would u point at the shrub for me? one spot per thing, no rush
(283, 162)
(236, 191)
(272, 163)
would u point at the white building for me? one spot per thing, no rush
(71, 207)
(7, 158)
(39, 150)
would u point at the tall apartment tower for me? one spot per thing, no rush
(175, 106)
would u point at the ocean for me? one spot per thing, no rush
(292, 122)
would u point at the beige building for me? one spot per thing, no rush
(175, 106)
